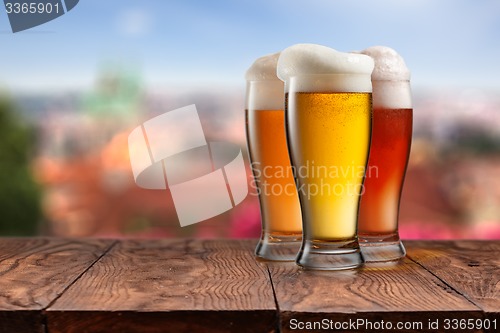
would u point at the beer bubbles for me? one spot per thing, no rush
(328, 121)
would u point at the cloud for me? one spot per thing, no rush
(134, 22)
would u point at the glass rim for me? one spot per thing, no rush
(329, 75)
(391, 80)
(265, 80)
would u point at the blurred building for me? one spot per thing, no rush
(83, 165)
(452, 187)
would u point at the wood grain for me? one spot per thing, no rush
(34, 272)
(471, 267)
(170, 286)
(403, 292)
(57, 285)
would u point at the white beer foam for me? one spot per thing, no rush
(264, 68)
(390, 78)
(264, 90)
(305, 63)
(391, 94)
(389, 65)
(265, 95)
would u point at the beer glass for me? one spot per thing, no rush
(279, 203)
(389, 152)
(328, 121)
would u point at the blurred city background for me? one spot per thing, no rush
(72, 90)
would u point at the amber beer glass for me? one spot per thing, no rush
(390, 149)
(328, 128)
(389, 152)
(279, 203)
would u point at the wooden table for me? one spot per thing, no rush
(60, 285)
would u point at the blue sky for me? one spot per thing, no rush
(446, 43)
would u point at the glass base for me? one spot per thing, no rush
(381, 247)
(278, 248)
(331, 255)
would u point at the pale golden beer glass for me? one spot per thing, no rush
(279, 203)
(328, 121)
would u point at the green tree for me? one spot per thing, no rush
(19, 194)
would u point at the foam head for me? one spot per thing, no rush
(389, 65)
(263, 69)
(306, 60)
(390, 78)
(264, 90)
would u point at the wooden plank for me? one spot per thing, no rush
(21, 321)
(403, 293)
(34, 272)
(470, 267)
(170, 286)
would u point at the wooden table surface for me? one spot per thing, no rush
(61, 285)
